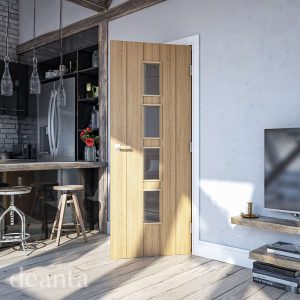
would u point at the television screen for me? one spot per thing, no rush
(282, 169)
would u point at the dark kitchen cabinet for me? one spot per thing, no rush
(16, 105)
(80, 65)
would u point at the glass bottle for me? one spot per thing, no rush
(61, 93)
(6, 82)
(95, 118)
(35, 83)
(95, 59)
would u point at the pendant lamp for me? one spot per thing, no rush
(61, 93)
(35, 83)
(6, 82)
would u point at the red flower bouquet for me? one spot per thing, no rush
(89, 138)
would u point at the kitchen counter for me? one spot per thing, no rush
(23, 165)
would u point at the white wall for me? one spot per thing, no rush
(47, 16)
(250, 80)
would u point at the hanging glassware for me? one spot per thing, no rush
(35, 83)
(61, 93)
(7, 88)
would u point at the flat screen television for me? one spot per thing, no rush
(282, 169)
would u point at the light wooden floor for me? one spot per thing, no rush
(60, 273)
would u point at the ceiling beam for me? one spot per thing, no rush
(109, 3)
(116, 12)
(97, 5)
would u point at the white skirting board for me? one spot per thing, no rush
(231, 255)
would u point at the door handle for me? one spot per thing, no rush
(120, 147)
(49, 123)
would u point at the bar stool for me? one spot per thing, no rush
(68, 196)
(42, 188)
(16, 236)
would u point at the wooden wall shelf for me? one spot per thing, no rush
(275, 224)
(262, 255)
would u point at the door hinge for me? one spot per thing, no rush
(191, 228)
(191, 70)
(191, 147)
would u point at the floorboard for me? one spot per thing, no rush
(268, 293)
(78, 270)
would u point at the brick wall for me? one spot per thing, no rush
(8, 132)
(9, 127)
(13, 30)
(13, 130)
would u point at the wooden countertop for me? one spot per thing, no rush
(22, 165)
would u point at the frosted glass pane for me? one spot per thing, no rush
(151, 164)
(151, 79)
(151, 207)
(151, 121)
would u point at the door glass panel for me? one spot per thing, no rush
(151, 79)
(151, 164)
(151, 207)
(151, 121)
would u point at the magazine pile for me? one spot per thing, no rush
(282, 278)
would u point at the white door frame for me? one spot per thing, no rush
(194, 41)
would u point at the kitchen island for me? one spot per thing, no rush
(23, 165)
(35, 174)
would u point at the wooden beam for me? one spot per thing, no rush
(103, 104)
(109, 3)
(97, 5)
(118, 11)
(275, 224)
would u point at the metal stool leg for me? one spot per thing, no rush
(12, 214)
(23, 225)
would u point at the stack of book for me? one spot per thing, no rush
(285, 279)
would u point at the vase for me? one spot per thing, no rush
(90, 153)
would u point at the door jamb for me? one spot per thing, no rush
(194, 41)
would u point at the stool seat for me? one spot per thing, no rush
(15, 190)
(68, 188)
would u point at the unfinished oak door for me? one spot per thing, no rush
(150, 159)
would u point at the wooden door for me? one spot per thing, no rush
(150, 135)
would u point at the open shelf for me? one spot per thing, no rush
(67, 75)
(262, 255)
(93, 130)
(93, 100)
(275, 224)
(90, 71)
